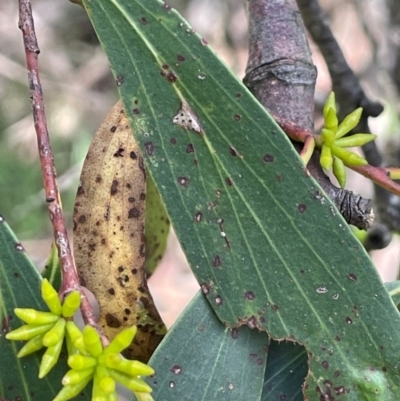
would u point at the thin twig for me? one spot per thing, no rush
(70, 280)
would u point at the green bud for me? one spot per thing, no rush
(50, 358)
(55, 334)
(97, 392)
(350, 122)
(112, 397)
(131, 383)
(33, 316)
(76, 336)
(326, 157)
(131, 368)
(121, 340)
(71, 303)
(33, 345)
(76, 376)
(50, 296)
(330, 103)
(328, 136)
(71, 390)
(92, 341)
(331, 120)
(105, 382)
(81, 362)
(339, 171)
(354, 140)
(349, 158)
(28, 331)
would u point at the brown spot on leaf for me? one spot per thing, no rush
(249, 295)
(114, 187)
(217, 261)
(133, 213)
(352, 277)
(112, 321)
(190, 148)
(268, 158)
(172, 77)
(302, 208)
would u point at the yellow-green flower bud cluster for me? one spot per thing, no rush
(88, 360)
(45, 329)
(333, 143)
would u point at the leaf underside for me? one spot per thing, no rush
(266, 245)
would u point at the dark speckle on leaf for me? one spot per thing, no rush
(112, 321)
(325, 364)
(173, 141)
(143, 21)
(229, 181)
(136, 111)
(204, 42)
(133, 213)
(180, 57)
(171, 77)
(114, 187)
(237, 117)
(348, 320)
(190, 148)
(133, 155)
(302, 208)
(268, 158)
(113, 128)
(217, 261)
(249, 295)
(352, 277)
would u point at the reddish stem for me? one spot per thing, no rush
(378, 175)
(70, 280)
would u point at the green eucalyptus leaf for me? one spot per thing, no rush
(286, 371)
(201, 359)
(267, 246)
(20, 284)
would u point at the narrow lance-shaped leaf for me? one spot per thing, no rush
(264, 242)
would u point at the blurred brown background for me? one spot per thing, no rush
(79, 90)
